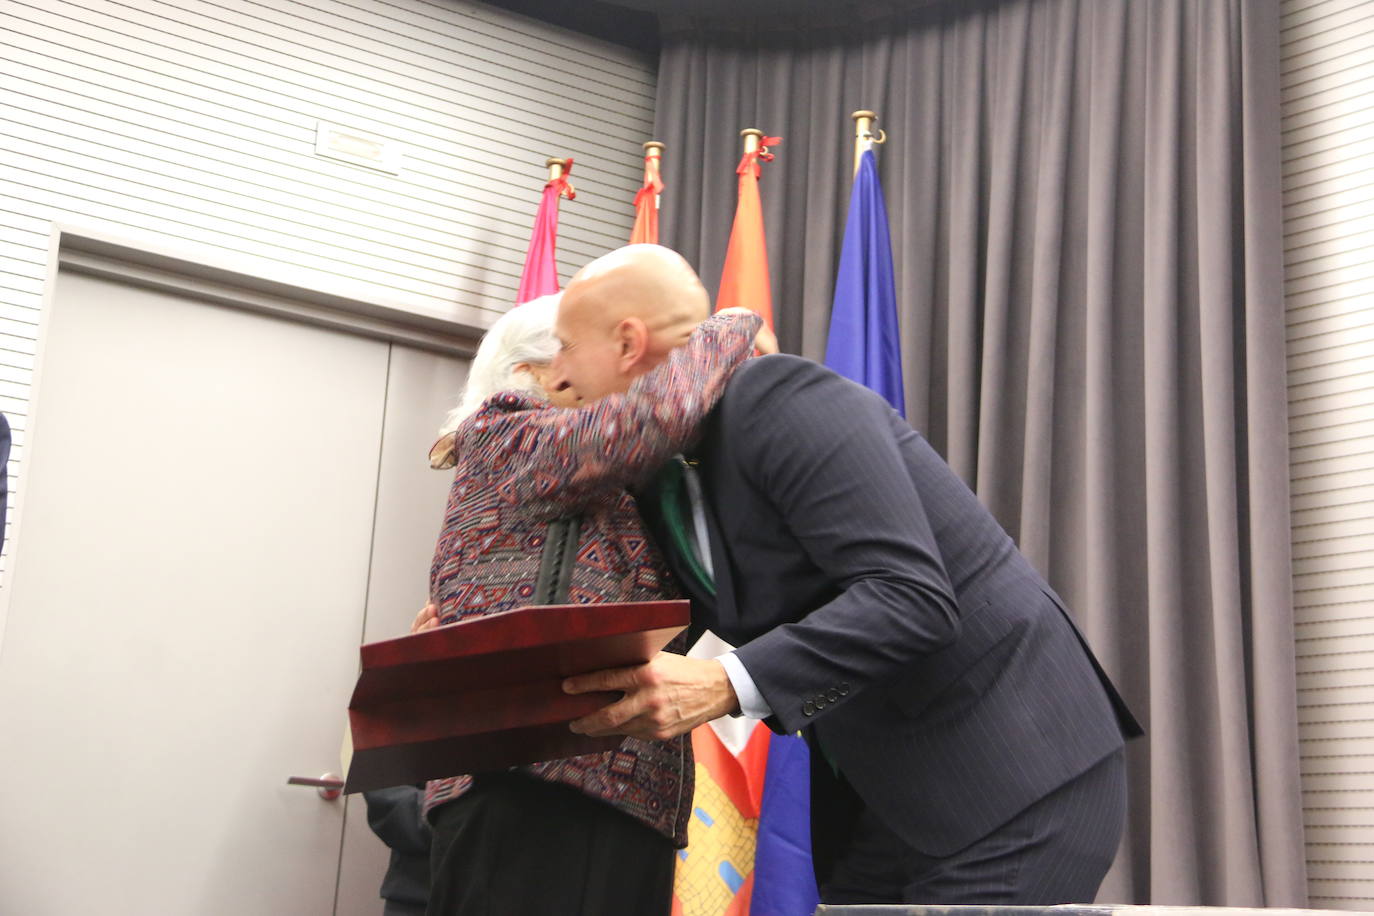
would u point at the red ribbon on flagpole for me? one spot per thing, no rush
(751, 159)
(653, 186)
(565, 188)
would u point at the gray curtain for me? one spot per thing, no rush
(1084, 203)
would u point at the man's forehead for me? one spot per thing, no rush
(562, 319)
(572, 312)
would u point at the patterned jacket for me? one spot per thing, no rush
(521, 463)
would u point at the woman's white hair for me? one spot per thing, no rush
(522, 335)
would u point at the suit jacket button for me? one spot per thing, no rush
(832, 694)
(808, 708)
(821, 701)
(844, 688)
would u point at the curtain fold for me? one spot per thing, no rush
(1084, 206)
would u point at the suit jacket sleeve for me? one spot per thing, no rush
(555, 461)
(822, 451)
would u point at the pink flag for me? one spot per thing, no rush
(541, 273)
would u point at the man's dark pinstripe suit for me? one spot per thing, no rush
(878, 604)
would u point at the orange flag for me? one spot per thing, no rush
(646, 201)
(744, 282)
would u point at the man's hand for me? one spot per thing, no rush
(667, 697)
(427, 619)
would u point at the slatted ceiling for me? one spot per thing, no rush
(1360, 461)
(495, 82)
(1327, 212)
(1305, 27)
(16, 356)
(1330, 239)
(1334, 454)
(408, 117)
(421, 191)
(1301, 35)
(1311, 124)
(1350, 295)
(1336, 381)
(1310, 102)
(1321, 212)
(1309, 308)
(43, 122)
(1332, 683)
(1358, 500)
(1338, 636)
(16, 374)
(1308, 261)
(1310, 113)
(1327, 89)
(245, 232)
(221, 123)
(1319, 190)
(1337, 604)
(1316, 272)
(1307, 87)
(1343, 77)
(1299, 11)
(1318, 529)
(1335, 37)
(310, 222)
(1301, 199)
(1328, 417)
(1316, 698)
(1332, 51)
(334, 68)
(1354, 480)
(1353, 247)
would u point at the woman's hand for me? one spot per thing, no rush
(427, 619)
(765, 341)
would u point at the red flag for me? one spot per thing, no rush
(646, 204)
(541, 273)
(744, 281)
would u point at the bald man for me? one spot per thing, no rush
(966, 746)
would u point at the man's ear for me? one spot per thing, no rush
(632, 343)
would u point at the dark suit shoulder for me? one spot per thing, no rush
(778, 377)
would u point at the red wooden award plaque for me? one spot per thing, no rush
(486, 693)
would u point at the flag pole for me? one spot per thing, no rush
(751, 137)
(864, 137)
(555, 166)
(653, 152)
(653, 156)
(645, 229)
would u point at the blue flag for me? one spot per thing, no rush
(863, 343)
(784, 879)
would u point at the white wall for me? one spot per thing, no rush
(1328, 111)
(193, 122)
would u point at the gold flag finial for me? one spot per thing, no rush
(864, 138)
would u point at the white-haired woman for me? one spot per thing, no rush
(592, 834)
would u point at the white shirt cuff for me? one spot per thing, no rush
(751, 702)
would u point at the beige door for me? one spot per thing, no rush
(214, 502)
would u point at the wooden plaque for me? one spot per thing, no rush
(486, 693)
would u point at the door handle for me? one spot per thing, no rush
(329, 786)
